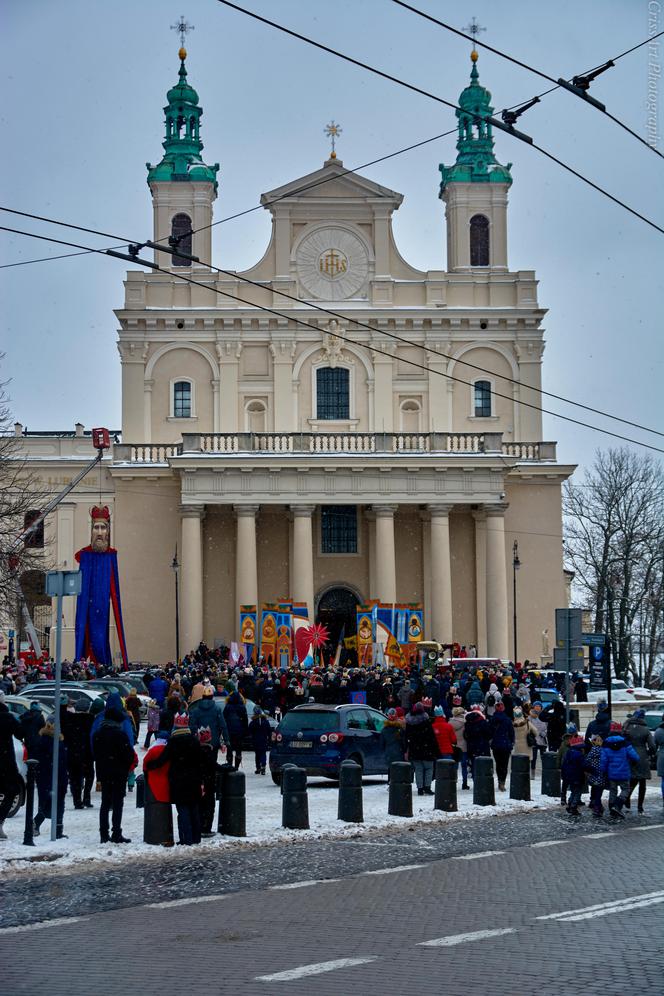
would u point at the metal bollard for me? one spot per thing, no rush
(483, 788)
(446, 786)
(401, 792)
(285, 767)
(220, 779)
(520, 777)
(140, 792)
(233, 806)
(157, 818)
(294, 803)
(28, 833)
(550, 774)
(350, 807)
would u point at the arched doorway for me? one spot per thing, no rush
(337, 609)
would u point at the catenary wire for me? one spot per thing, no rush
(371, 328)
(537, 72)
(440, 100)
(354, 342)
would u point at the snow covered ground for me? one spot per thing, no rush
(263, 824)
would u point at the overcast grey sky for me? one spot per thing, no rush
(84, 86)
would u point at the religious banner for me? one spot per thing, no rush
(364, 634)
(100, 591)
(248, 629)
(268, 637)
(284, 638)
(415, 630)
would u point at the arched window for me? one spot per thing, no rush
(479, 240)
(482, 400)
(181, 229)
(332, 393)
(182, 399)
(410, 415)
(35, 541)
(256, 412)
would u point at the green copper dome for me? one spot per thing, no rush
(182, 144)
(476, 162)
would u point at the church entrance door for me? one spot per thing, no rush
(337, 608)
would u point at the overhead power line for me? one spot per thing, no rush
(509, 130)
(135, 247)
(347, 339)
(558, 85)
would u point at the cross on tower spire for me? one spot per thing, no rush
(474, 29)
(183, 27)
(333, 130)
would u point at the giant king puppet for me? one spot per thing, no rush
(100, 589)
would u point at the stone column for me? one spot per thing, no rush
(303, 556)
(246, 569)
(441, 574)
(480, 579)
(191, 577)
(386, 572)
(496, 583)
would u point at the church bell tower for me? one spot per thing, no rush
(183, 187)
(475, 188)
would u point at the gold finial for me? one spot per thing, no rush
(474, 56)
(182, 54)
(333, 130)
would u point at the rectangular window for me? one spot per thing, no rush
(35, 541)
(339, 529)
(182, 399)
(482, 399)
(332, 393)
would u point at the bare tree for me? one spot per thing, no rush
(21, 498)
(614, 524)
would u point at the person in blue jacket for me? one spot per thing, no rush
(158, 690)
(114, 705)
(573, 772)
(614, 765)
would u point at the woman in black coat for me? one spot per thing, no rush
(422, 747)
(478, 736)
(185, 776)
(237, 721)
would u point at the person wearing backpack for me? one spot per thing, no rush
(114, 756)
(573, 771)
(615, 765)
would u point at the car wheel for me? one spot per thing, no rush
(276, 777)
(19, 800)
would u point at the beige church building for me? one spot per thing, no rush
(330, 426)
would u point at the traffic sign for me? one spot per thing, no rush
(594, 639)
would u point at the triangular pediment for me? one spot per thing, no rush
(333, 181)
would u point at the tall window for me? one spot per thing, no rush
(338, 529)
(479, 240)
(482, 405)
(182, 399)
(181, 229)
(35, 540)
(332, 393)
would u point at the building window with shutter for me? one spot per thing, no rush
(332, 393)
(338, 529)
(181, 230)
(482, 405)
(479, 240)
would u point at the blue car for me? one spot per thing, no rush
(319, 737)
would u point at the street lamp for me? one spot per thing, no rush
(176, 570)
(516, 564)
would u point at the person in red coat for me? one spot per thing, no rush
(157, 782)
(445, 735)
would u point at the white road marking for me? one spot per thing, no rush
(391, 871)
(601, 906)
(596, 836)
(615, 909)
(548, 843)
(302, 885)
(58, 922)
(480, 854)
(182, 902)
(655, 826)
(452, 939)
(322, 966)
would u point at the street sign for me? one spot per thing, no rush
(594, 639)
(63, 583)
(560, 659)
(599, 667)
(568, 627)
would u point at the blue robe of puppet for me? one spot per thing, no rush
(100, 590)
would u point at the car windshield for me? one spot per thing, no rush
(316, 722)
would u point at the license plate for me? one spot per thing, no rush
(301, 743)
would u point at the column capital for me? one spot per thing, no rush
(439, 509)
(495, 511)
(245, 511)
(191, 511)
(302, 511)
(384, 511)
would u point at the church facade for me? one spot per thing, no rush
(332, 425)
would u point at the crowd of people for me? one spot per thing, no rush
(459, 712)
